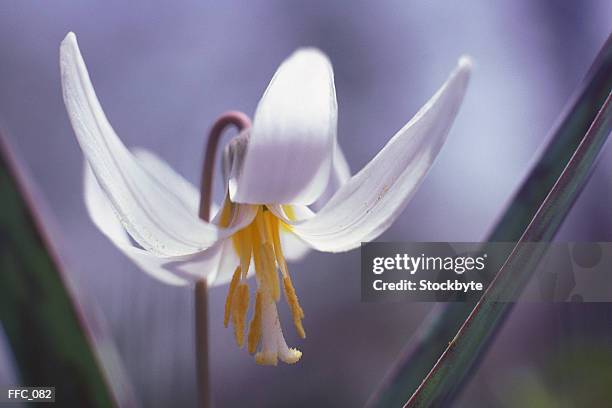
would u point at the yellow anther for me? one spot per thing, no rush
(269, 265)
(260, 242)
(230, 296)
(260, 225)
(243, 245)
(257, 256)
(255, 327)
(268, 218)
(278, 250)
(294, 305)
(240, 305)
(226, 213)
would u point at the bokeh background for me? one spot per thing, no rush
(165, 70)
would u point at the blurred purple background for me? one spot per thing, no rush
(165, 70)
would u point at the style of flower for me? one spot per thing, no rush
(287, 160)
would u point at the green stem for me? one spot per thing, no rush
(241, 122)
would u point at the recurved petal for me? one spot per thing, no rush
(341, 172)
(166, 175)
(289, 151)
(294, 249)
(339, 175)
(372, 199)
(154, 215)
(173, 270)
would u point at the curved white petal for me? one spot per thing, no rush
(339, 175)
(371, 200)
(294, 249)
(166, 175)
(150, 211)
(289, 152)
(341, 172)
(229, 261)
(173, 270)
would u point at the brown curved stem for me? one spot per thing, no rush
(240, 121)
(231, 118)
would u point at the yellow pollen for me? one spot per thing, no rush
(270, 270)
(230, 296)
(294, 305)
(280, 259)
(226, 213)
(255, 327)
(257, 258)
(260, 242)
(240, 305)
(242, 243)
(259, 224)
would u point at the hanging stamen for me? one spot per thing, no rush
(243, 243)
(230, 296)
(226, 213)
(255, 327)
(269, 225)
(260, 225)
(269, 264)
(294, 305)
(263, 252)
(260, 242)
(292, 299)
(240, 305)
(278, 250)
(257, 258)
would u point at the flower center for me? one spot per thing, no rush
(260, 243)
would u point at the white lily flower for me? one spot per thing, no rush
(286, 161)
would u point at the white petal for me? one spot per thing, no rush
(289, 153)
(166, 175)
(229, 263)
(152, 213)
(372, 199)
(173, 270)
(294, 249)
(341, 172)
(339, 175)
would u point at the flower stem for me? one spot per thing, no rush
(240, 121)
(201, 339)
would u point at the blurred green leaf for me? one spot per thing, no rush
(45, 327)
(534, 214)
(466, 347)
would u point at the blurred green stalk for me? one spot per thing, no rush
(52, 344)
(448, 345)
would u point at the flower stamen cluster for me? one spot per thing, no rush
(260, 244)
